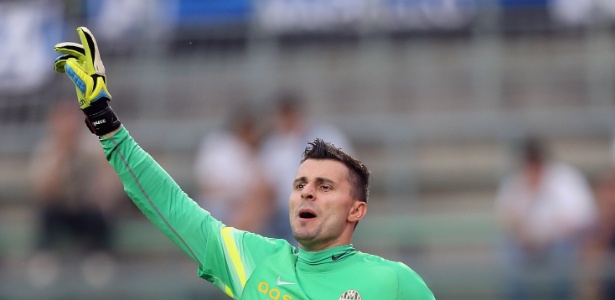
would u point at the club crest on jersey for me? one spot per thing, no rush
(350, 295)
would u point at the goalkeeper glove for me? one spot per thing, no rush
(83, 65)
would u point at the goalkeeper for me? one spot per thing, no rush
(328, 199)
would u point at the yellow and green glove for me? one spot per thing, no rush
(83, 65)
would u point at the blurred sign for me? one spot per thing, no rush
(28, 31)
(310, 15)
(523, 3)
(426, 14)
(213, 12)
(322, 15)
(582, 12)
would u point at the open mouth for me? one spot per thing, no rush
(306, 213)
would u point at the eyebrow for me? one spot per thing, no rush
(304, 179)
(321, 180)
(298, 180)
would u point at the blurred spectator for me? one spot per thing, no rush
(612, 149)
(282, 151)
(230, 175)
(72, 200)
(600, 249)
(545, 208)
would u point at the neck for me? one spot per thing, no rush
(323, 243)
(321, 261)
(312, 246)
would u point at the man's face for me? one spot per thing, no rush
(320, 204)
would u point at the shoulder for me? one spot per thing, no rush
(409, 283)
(565, 172)
(394, 268)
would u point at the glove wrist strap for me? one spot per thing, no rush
(102, 122)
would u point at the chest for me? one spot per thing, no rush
(284, 282)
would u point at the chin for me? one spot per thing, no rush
(303, 235)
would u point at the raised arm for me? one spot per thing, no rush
(225, 256)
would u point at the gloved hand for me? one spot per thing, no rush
(83, 65)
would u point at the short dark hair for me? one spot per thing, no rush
(289, 102)
(358, 172)
(534, 150)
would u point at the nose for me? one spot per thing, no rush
(307, 193)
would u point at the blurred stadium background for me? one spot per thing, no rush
(432, 93)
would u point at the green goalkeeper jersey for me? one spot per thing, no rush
(246, 265)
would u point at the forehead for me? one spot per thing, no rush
(322, 168)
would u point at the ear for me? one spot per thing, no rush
(357, 211)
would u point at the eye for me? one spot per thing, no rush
(299, 186)
(326, 187)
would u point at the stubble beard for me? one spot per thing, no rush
(304, 235)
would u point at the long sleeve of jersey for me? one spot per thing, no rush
(216, 249)
(247, 265)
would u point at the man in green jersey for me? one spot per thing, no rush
(328, 199)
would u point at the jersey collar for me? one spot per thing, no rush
(311, 260)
